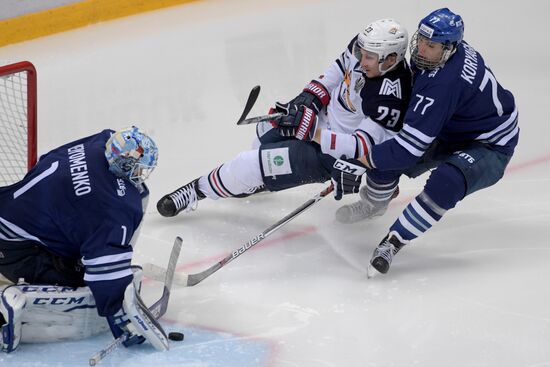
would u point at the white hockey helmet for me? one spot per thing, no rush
(383, 37)
(131, 155)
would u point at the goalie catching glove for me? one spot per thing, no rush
(135, 319)
(346, 176)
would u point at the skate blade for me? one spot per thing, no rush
(371, 272)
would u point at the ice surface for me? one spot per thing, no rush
(472, 292)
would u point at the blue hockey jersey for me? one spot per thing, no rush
(459, 102)
(76, 208)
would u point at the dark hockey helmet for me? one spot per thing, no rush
(131, 154)
(441, 26)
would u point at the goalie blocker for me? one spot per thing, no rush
(45, 313)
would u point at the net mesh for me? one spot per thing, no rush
(14, 125)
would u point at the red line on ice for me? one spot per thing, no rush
(310, 229)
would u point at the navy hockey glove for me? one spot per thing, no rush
(346, 177)
(300, 122)
(118, 324)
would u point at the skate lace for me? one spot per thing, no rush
(386, 251)
(185, 198)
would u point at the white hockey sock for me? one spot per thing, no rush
(242, 175)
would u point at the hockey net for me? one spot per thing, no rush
(17, 121)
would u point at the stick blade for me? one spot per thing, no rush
(252, 97)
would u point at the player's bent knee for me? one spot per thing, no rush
(446, 186)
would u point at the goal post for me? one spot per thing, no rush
(18, 125)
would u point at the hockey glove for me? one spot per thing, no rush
(136, 320)
(300, 123)
(314, 96)
(119, 325)
(346, 177)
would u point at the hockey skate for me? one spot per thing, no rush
(383, 255)
(364, 208)
(185, 198)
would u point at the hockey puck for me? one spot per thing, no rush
(175, 336)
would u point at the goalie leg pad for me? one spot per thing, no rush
(12, 304)
(56, 313)
(142, 322)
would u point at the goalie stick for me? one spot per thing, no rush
(156, 272)
(252, 97)
(158, 309)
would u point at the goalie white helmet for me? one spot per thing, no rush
(131, 155)
(383, 37)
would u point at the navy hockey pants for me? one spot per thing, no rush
(289, 162)
(29, 261)
(292, 163)
(474, 166)
(481, 165)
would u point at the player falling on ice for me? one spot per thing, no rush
(460, 121)
(66, 236)
(357, 103)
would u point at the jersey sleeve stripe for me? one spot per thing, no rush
(507, 138)
(108, 276)
(503, 136)
(504, 125)
(413, 140)
(500, 135)
(107, 268)
(107, 259)
(409, 147)
(417, 134)
(364, 145)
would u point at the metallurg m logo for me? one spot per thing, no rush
(389, 88)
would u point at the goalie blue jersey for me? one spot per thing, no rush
(459, 102)
(73, 206)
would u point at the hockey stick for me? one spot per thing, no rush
(252, 97)
(255, 120)
(158, 309)
(156, 272)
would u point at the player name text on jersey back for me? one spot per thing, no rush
(79, 170)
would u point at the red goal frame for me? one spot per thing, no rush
(26, 66)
